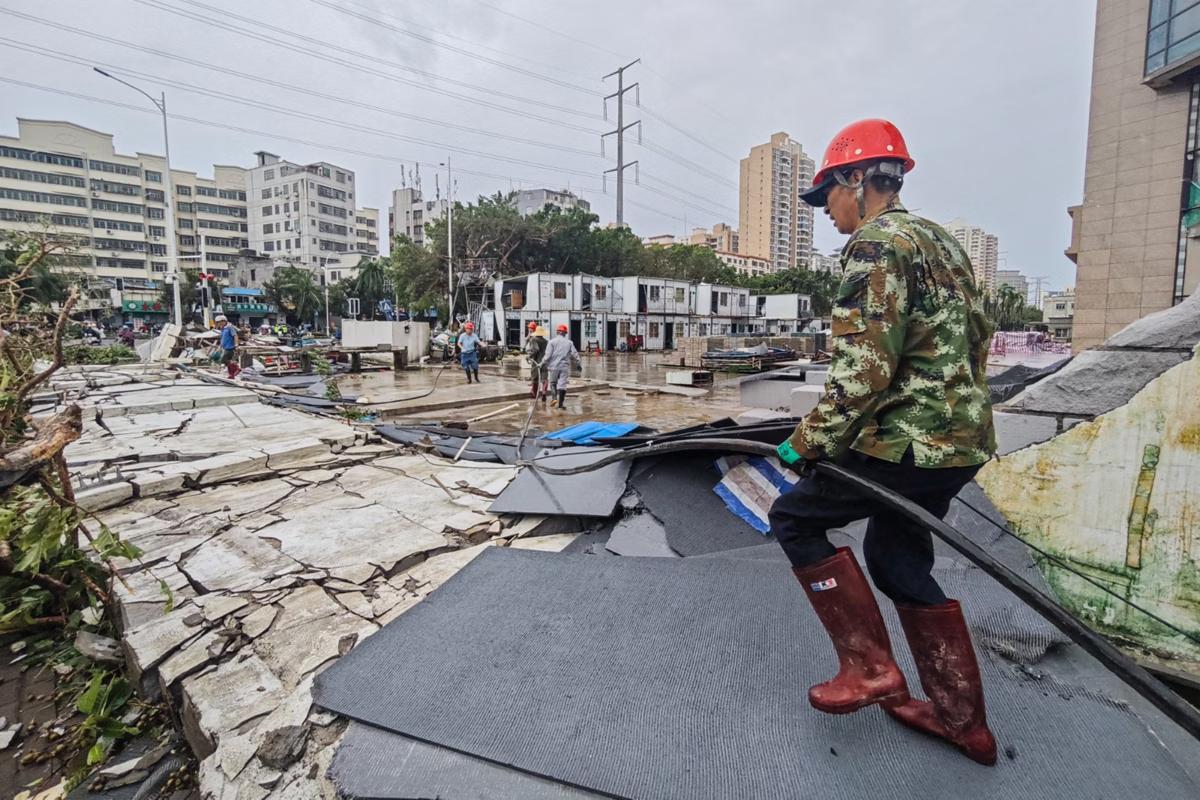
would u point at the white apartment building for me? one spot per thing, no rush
(745, 265)
(410, 212)
(982, 248)
(721, 238)
(818, 262)
(531, 201)
(302, 212)
(366, 231)
(773, 222)
(111, 207)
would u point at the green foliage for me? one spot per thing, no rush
(1006, 309)
(47, 283)
(295, 291)
(418, 275)
(370, 285)
(89, 354)
(103, 702)
(821, 286)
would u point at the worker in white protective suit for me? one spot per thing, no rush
(560, 355)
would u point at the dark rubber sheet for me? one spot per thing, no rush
(686, 678)
(588, 494)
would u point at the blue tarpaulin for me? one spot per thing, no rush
(588, 432)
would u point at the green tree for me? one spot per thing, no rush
(370, 286)
(47, 283)
(616, 251)
(296, 292)
(1005, 308)
(419, 276)
(820, 286)
(686, 262)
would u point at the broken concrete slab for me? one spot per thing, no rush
(257, 623)
(376, 534)
(150, 643)
(1017, 431)
(640, 535)
(1176, 328)
(96, 498)
(98, 648)
(234, 559)
(219, 701)
(237, 499)
(217, 606)
(189, 658)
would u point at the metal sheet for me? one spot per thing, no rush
(589, 494)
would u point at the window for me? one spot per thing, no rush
(1173, 32)
(724, 298)
(1060, 306)
(153, 177)
(741, 301)
(600, 291)
(252, 278)
(623, 329)
(184, 190)
(680, 294)
(154, 213)
(655, 294)
(117, 225)
(269, 227)
(41, 177)
(341, 177)
(269, 246)
(268, 174)
(116, 169)
(155, 196)
(297, 245)
(678, 329)
(156, 230)
(268, 210)
(296, 205)
(158, 266)
(11, 215)
(589, 328)
(114, 188)
(266, 194)
(560, 290)
(184, 223)
(653, 330)
(206, 191)
(42, 197)
(231, 194)
(186, 208)
(187, 241)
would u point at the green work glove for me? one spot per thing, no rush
(796, 462)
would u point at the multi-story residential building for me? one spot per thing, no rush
(531, 201)
(745, 265)
(782, 314)
(721, 238)
(410, 212)
(832, 263)
(1014, 279)
(1058, 313)
(773, 223)
(661, 239)
(366, 231)
(111, 209)
(303, 212)
(1136, 235)
(982, 248)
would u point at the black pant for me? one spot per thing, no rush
(899, 551)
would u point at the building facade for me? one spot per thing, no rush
(773, 223)
(531, 201)
(721, 238)
(109, 209)
(818, 262)
(1136, 234)
(982, 248)
(1058, 314)
(366, 231)
(745, 265)
(302, 212)
(410, 212)
(1014, 279)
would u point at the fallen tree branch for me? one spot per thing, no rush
(59, 326)
(52, 437)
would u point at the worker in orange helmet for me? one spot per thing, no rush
(468, 351)
(907, 406)
(560, 355)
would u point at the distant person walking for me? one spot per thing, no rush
(535, 350)
(468, 351)
(228, 345)
(560, 355)
(125, 335)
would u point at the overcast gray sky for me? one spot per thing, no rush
(992, 95)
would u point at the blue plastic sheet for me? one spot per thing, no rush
(588, 432)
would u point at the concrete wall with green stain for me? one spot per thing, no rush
(1118, 499)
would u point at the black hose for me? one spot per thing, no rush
(1141, 681)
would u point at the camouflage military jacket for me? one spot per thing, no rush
(910, 344)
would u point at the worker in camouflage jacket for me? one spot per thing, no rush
(906, 406)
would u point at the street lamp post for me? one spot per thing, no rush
(449, 243)
(325, 270)
(172, 254)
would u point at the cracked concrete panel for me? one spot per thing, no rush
(238, 499)
(411, 586)
(236, 559)
(257, 622)
(311, 629)
(188, 659)
(216, 702)
(324, 536)
(1117, 497)
(150, 643)
(1177, 327)
(1095, 382)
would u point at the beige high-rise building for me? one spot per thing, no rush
(982, 248)
(721, 238)
(1136, 235)
(773, 222)
(366, 231)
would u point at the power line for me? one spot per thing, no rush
(60, 56)
(695, 167)
(375, 21)
(329, 145)
(321, 46)
(651, 113)
(548, 29)
(681, 190)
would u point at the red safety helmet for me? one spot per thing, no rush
(533, 326)
(561, 329)
(470, 326)
(858, 142)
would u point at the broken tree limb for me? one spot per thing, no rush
(59, 431)
(495, 413)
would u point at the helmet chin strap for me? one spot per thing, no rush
(889, 168)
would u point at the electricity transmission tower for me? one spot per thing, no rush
(619, 132)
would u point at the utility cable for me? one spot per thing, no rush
(316, 48)
(694, 167)
(1184, 714)
(649, 112)
(67, 57)
(358, 68)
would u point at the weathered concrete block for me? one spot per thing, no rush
(107, 496)
(805, 398)
(227, 466)
(757, 415)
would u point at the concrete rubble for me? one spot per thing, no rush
(272, 542)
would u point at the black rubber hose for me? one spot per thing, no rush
(1141, 681)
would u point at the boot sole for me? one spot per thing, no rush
(987, 759)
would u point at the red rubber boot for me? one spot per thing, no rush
(839, 594)
(941, 646)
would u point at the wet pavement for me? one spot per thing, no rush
(413, 396)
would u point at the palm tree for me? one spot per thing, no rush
(295, 288)
(370, 285)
